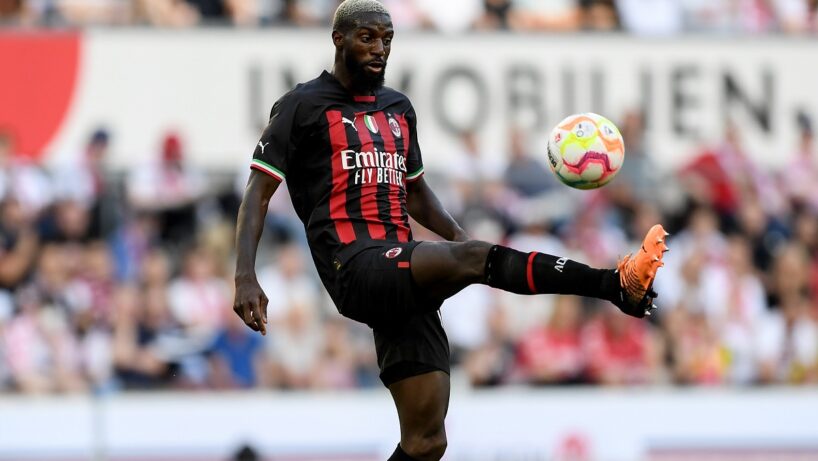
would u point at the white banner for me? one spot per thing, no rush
(509, 425)
(217, 86)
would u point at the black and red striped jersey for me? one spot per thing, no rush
(347, 160)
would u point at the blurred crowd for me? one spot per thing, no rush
(640, 17)
(124, 281)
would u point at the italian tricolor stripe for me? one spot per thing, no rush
(371, 125)
(415, 175)
(267, 168)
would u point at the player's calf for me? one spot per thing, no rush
(429, 447)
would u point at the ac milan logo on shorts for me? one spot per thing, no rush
(393, 253)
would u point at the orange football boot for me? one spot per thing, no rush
(637, 272)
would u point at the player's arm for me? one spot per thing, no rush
(250, 302)
(425, 208)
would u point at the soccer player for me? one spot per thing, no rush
(348, 148)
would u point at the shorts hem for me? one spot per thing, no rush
(403, 370)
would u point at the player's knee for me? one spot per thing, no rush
(426, 447)
(472, 257)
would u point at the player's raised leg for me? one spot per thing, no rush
(422, 402)
(444, 268)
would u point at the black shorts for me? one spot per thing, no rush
(375, 286)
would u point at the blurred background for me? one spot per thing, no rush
(126, 130)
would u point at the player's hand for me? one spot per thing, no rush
(460, 236)
(251, 304)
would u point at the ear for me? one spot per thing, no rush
(337, 39)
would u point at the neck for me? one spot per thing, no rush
(341, 73)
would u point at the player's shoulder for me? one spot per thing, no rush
(389, 96)
(303, 98)
(302, 92)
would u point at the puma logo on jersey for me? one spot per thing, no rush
(262, 146)
(350, 122)
(560, 264)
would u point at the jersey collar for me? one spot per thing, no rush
(369, 98)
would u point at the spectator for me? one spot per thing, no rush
(696, 353)
(638, 174)
(495, 15)
(725, 175)
(735, 305)
(465, 318)
(170, 13)
(491, 364)
(85, 180)
(651, 17)
(22, 179)
(789, 275)
(170, 189)
(199, 300)
(707, 15)
(598, 15)
(549, 16)
(236, 357)
(453, 16)
(336, 368)
(139, 322)
(788, 344)
(94, 12)
(308, 12)
(296, 346)
(11, 11)
(524, 174)
(19, 243)
(287, 276)
(237, 12)
(93, 287)
(42, 354)
(800, 176)
(620, 350)
(407, 14)
(551, 353)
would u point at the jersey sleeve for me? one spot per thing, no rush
(414, 159)
(278, 140)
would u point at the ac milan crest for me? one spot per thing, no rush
(393, 124)
(393, 252)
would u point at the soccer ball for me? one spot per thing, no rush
(586, 151)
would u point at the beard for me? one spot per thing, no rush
(363, 81)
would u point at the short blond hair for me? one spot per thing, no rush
(348, 12)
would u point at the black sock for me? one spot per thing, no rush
(400, 455)
(535, 273)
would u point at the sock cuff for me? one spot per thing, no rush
(507, 269)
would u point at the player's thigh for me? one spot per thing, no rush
(444, 268)
(422, 402)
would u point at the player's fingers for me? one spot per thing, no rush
(261, 321)
(264, 301)
(239, 310)
(247, 311)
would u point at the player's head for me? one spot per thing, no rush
(362, 33)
